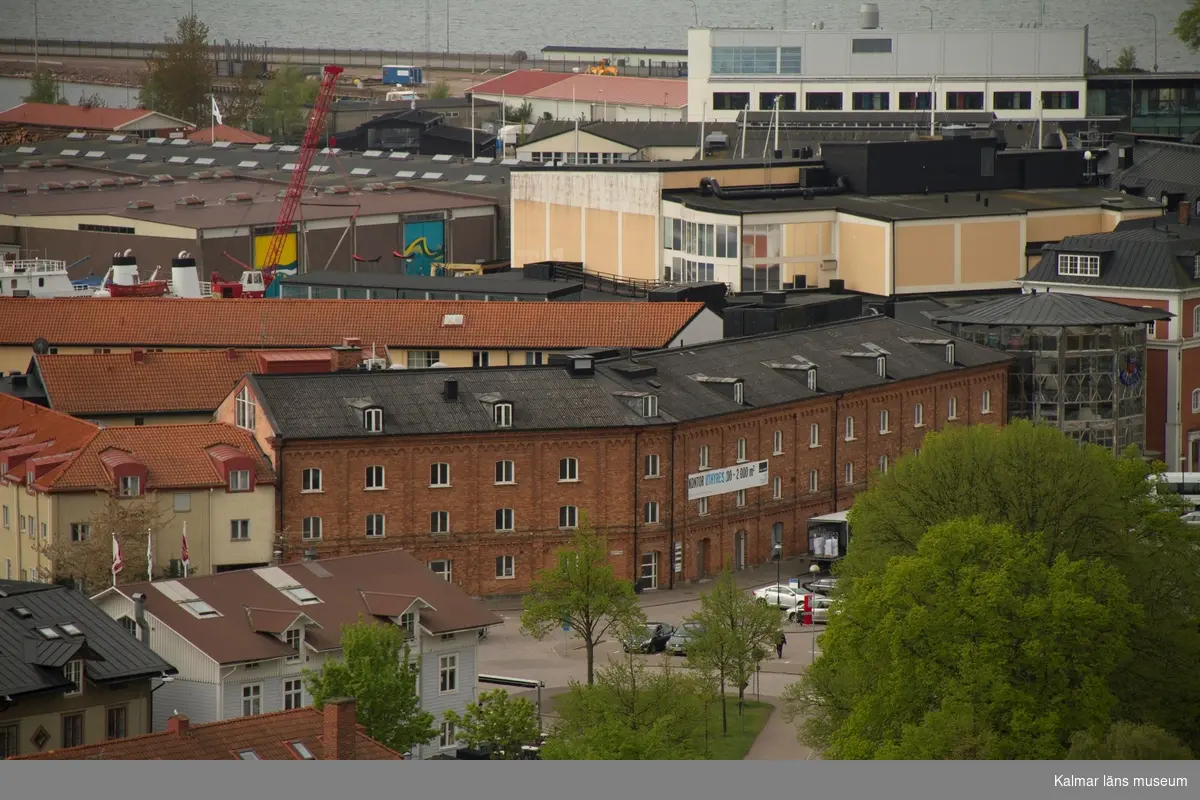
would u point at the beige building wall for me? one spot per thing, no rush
(862, 255)
(639, 248)
(925, 255)
(805, 246)
(21, 542)
(753, 176)
(601, 241)
(465, 358)
(263, 433)
(1053, 226)
(566, 238)
(990, 251)
(47, 711)
(528, 232)
(672, 153)
(570, 142)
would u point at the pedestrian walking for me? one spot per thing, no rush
(779, 643)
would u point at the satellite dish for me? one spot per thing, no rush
(41, 346)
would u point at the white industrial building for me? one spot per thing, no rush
(1017, 73)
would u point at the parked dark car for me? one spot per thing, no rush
(678, 643)
(652, 640)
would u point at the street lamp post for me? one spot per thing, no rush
(778, 564)
(696, 11)
(1151, 16)
(35, 38)
(930, 10)
(813, 569)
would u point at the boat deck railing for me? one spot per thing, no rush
(27, 266)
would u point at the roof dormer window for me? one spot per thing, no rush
(812, 378)
(502, 415)
(739, 393)
(881, 366)
(650, 406)
(373, 420)
(130, 486)
(1196, 267)
(1078, 265)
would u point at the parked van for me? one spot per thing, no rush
(400, 97)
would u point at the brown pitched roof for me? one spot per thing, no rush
(227, 133)
(340, 583)
(270, 736)
(279, 323)
(175, 457)
(34, 436)
(86, 384)
(85, 118)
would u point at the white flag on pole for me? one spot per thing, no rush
(118, 562)
(216, 112)
(149, 555)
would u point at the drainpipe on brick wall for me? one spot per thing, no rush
(671, 532)
(637, 578)
(279, 484)
(835, 433)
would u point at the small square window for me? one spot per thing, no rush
(310, 529)
(310, 480)
(239, 480)
(505, 472)
(439, 522)
(373, 478)
(568, 469)
(375, 526)
(439, 474)
(505, 567)
(239, 530)
(130, 486)
(505, 519)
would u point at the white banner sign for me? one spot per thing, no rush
(729, 479)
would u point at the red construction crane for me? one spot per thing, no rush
(295, 189)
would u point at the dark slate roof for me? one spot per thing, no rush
(457, 134)
(1144, 254)
(1053, 309)
(473, 287)
(31, 663)
(1157, 167)
(543, 398)
(636, 134)
(669, 373)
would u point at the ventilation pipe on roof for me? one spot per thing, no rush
(710, 186)
(139, 616)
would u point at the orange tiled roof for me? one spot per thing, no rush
(83, 118)
(268, 735)
(115, 383)
(175, 456)
(26, 425)
(278, 323)
(227, 133)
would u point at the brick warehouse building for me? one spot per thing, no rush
(484, 474)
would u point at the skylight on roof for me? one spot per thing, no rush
(373, 154)
(362, 172)
(476, 178)
(248, 755)
(443, 157)
(320, 169)
(302, 750)
(205, 162)
(452, 319)
(222, 145)
(75, 136)
(247, 165)
(510, 162)
(71, 629)
(69, 153)
(325, 151)
(399, 156)
(201, 609)
(116, 138)
(49, 633)
(483, 160)
(22, 612)
(302, 595)
(289, 167)
(94, 154)
(156, 140)
(289, 148)
(431, 176)
(139, 157)
(404, 173)
(180, 142)
(265, 147)
(27, 151)
(177, 160)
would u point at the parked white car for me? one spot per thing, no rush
(780, 595)
(822, 607)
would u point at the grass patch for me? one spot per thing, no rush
(743, 730)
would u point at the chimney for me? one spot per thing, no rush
(346, 357)
(139, 616)
(351, 341)
(178, 725)
(341, 729)
(1185, 212)
(450, 390)
(138, 355)
(231, 354)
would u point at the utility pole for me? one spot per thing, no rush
(428, 26)
(35, 38)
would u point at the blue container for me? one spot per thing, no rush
(401, 75)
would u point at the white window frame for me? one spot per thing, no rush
(505, 472)
(506, 568)
(739, 498)
(446, 574)
(702, 457)
(375, 526)
(650, 513)
(506, 520)
(502, 415)
(739, 393)
(481, 358)
(1079, 265)
(130, 486)
(650, 406)
(245, 410)
(448, 673)
(777, 488)
(73, 671)
(293, 693)
(883, 421)
(919, 415)
(80, 531)
(848, 473)
(1196, 401)
(439, 521)
(814, 435)
(293, 638)
(447, 736)
(849, 429)
(568, 518)
(307, 483)
(568, 470)
(1196, 310)
(237, 527)
(777, 443)
(741, 450)
(239, 480)
(702, 507)
(883, 464)
(814, 480)
(310, 529)
(985, 401)
(251, 699)
(952, 408)
(374, 478)
(439, 475)
(373, 420)
(653, 466)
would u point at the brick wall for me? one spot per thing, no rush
(612, 487)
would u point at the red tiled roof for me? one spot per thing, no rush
(277, 323)
(232, 637)
(519, 82)
(86, 384)
(617, 90)
(52, 115)
(25, 424)
(226, 133)
(174, 456)
(268, 735)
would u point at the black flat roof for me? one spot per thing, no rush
(500, 283)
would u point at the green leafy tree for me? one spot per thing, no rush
(440, 90)
(377, 671)
(1187, 28)
(976, 646)
(241, 105)
(522, 113)
(1080, 501)
(44, 88)
(1126, 59)
(283, 108)
(90, 559)
(498, 721)
(1125, 741)
(178, 78)
(581, 590)
(734, 631)
(632, 713)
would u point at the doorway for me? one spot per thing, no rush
(739, 550)
(702, 559)
(649, 574)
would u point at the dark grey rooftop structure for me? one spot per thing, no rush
(1153, 168)
(691, 383)
(44, 626)
(1053, 309)
(1141, 254)
(391, 286)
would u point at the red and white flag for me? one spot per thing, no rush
(185, 559)
(118, 562)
